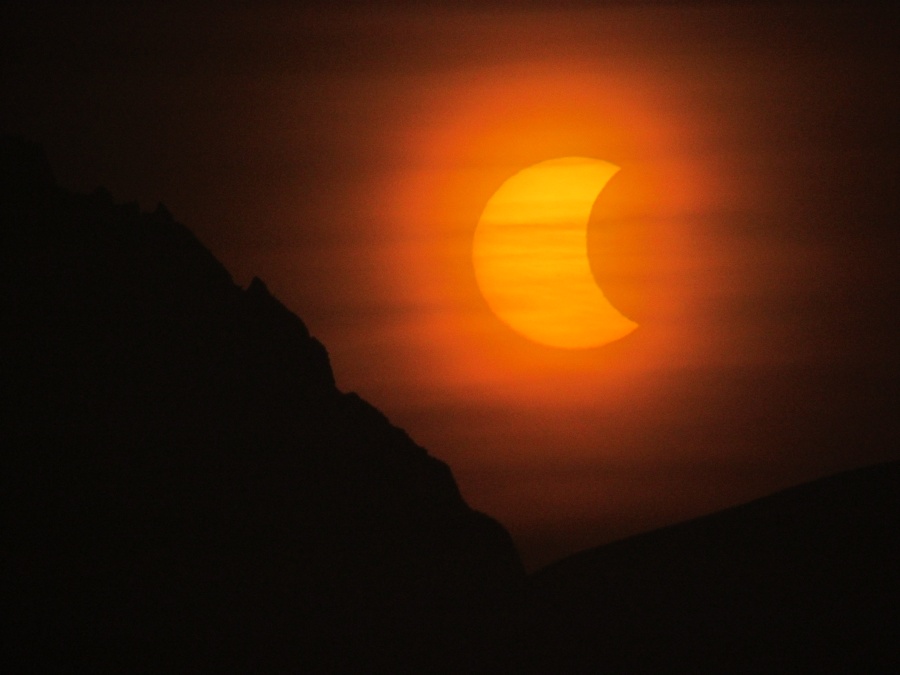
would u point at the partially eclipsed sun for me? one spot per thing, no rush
(530, 255)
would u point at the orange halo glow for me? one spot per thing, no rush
(530, 255)
(643, 245)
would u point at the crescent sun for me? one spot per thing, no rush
(530, 255)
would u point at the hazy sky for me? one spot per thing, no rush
(344, 157)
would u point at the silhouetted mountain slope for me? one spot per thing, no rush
(803, 581)
(184, 488)
(184, 485)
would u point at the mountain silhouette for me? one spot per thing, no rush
(803, 581)
(185, 487)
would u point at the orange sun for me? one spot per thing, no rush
(530, 255)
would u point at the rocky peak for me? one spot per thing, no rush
(181, 464)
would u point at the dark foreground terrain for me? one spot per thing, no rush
(185, 489)
(185, 486)
(803, 581)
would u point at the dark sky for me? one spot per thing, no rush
(344, 155)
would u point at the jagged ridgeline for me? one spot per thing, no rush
(185, 489)
(184, 485)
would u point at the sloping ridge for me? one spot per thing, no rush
(184, 485)
(185, 489)
(801, 581)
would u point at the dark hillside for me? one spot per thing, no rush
(184, 485)
(803, 581)
(185, 489)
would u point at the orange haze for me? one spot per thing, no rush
(345, 157)
(568, 448)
